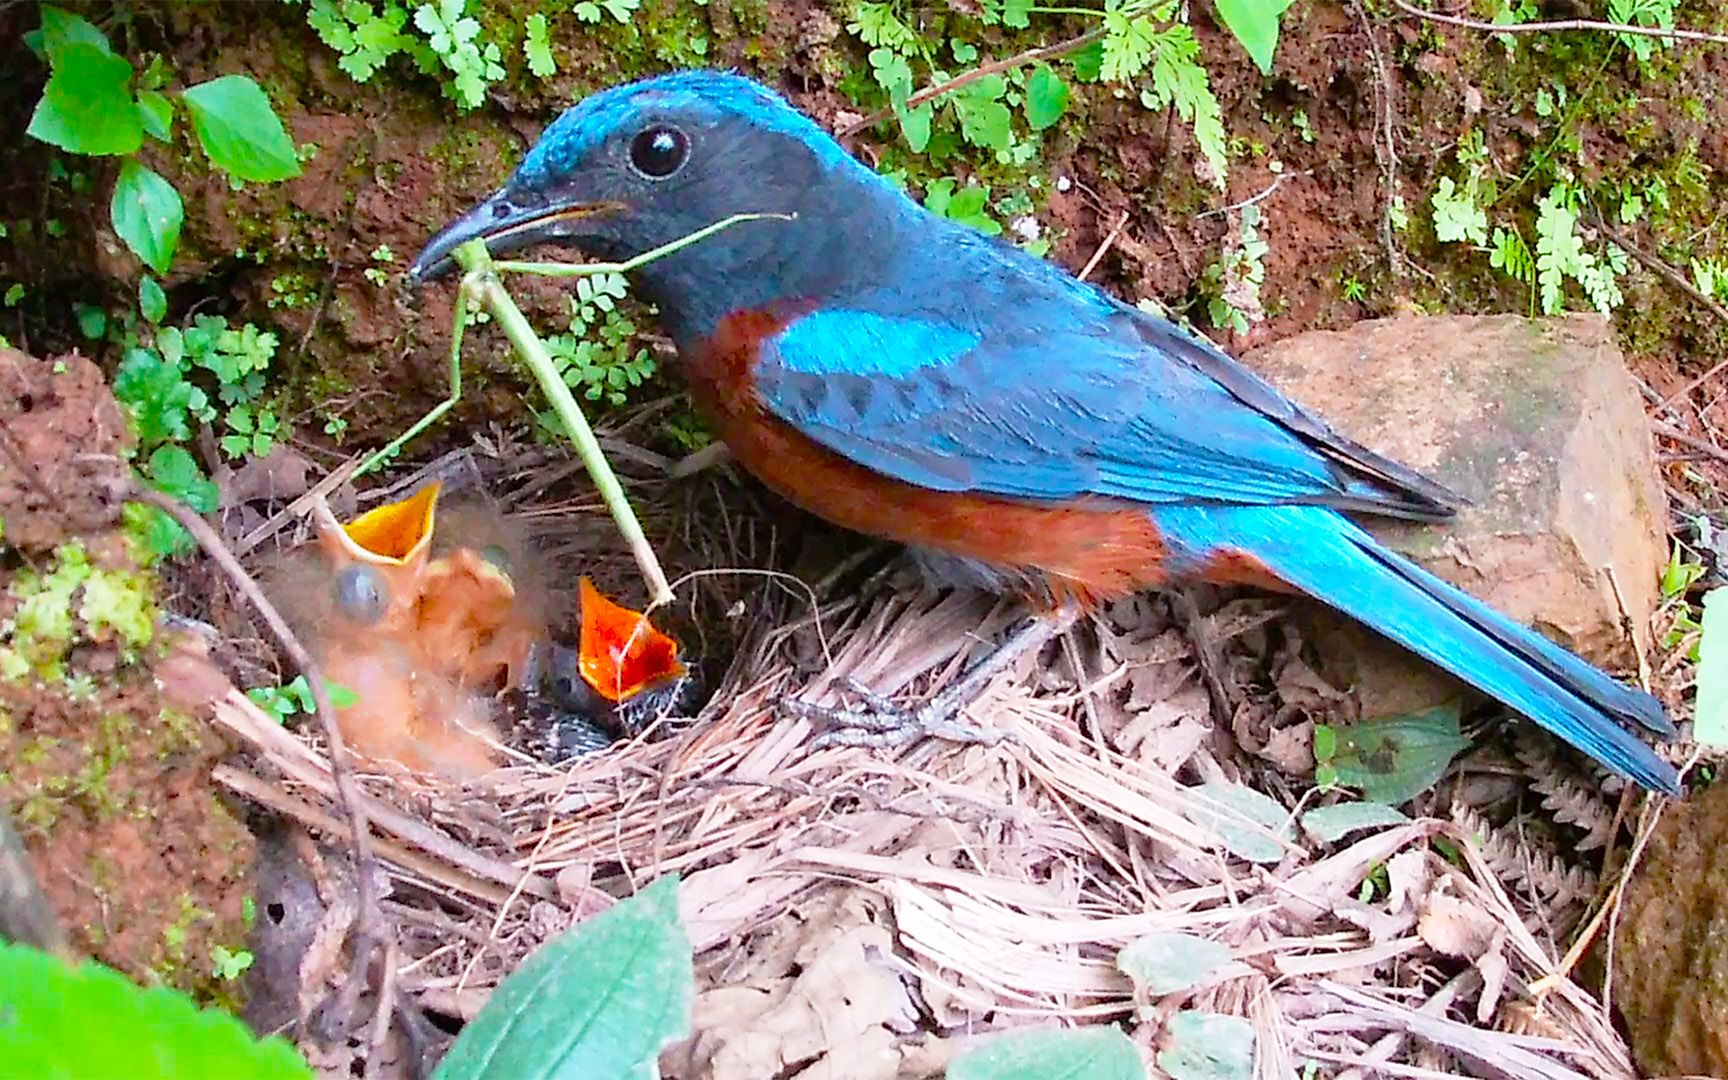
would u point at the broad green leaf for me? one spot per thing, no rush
(1393, 760)
(152, 301)
(1329, 824)
(173, 471)
(92, 320)
(599, 1001)
(87, 108)
(147, 213)
(1710, 726)
(1089, 62)
(1255, 24)
(61, 27)
(915, 125)
(1096, 1053)
(1233, 811)
(240, 131)
(1046, 97)
(1163, 963)
(157, 114)
(90, 1021)
(1208, 1046)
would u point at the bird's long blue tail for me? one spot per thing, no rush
(1327, 556)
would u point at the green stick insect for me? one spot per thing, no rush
(482, 286)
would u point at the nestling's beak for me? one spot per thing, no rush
(507, 225)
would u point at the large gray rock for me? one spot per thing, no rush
(1539, 424)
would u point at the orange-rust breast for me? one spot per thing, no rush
(1090, 549)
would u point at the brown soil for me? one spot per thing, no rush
(107, 783)
(48, 496)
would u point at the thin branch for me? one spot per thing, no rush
(1560, 25)
(1678, 280)
(368, 920)
(1277, 182)
(1674, 434)
(1385, 146)
(995, 67)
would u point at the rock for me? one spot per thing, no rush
(1538, 423)
(1671, 956)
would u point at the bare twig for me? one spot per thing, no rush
(1385, 147)
(1675, 278)
(995, 67)
(1560, 25)
(1104, 246)
(1277, 182)
(368, 920)
(1674, 434)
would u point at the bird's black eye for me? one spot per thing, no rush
(658, 152)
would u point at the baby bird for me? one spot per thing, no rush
(430, 615)
(421, 642)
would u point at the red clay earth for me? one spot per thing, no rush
(109, 786)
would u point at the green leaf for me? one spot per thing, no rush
(1164, 963)
(61, 27)
(156, 394)
(1208, 1046)
(1233, 811)
(173, 471)
(1710, 725)
(1046, 97)
(156, 112)
(1395, 759)
(147, 214)
(915, 126)
(89, 1021)
(1089, 63)
(87, 107)
(92, 321)
(536, 48)
(600, 1000)
(152, 301)
(1329, 824)
(240, 131)
(1255, 24)
(1097, 1053)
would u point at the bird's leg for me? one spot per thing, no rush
(1213, 674)
(881, 722)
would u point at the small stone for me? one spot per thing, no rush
(1539, 425)
(1671, 955)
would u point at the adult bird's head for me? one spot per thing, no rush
(632, 168)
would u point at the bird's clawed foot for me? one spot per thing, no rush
(880, 722)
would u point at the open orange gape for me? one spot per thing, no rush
(437, 650)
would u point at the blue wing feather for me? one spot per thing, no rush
(1080, 404)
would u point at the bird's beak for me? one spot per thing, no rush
(506, 226)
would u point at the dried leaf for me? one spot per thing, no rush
(1208, 1046)
(1163, 963)
(1329, 824)
(1233, 811)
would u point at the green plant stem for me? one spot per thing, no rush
(481, 275)
(636, 262)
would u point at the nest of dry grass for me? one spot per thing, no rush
(866, 912)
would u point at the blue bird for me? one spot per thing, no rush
(904, 376)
